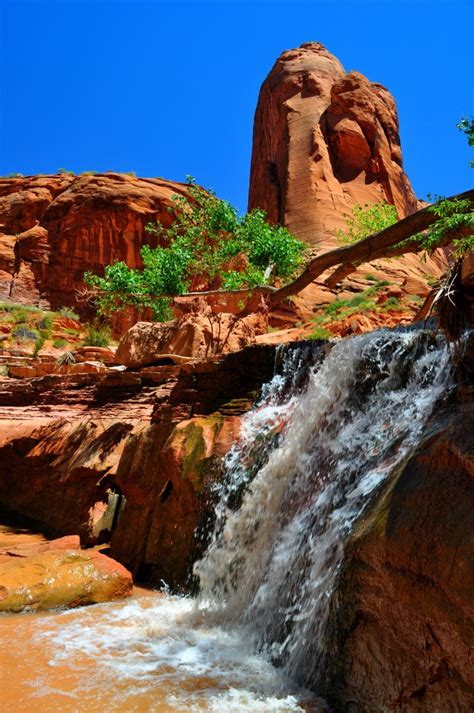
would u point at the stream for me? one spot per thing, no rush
(326, 435)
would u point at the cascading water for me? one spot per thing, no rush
(311, 457)
(331, 427)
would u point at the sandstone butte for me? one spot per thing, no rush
(325, 140)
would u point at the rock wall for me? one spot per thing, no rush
(130, 453)
(54, 228)
(406, 621)
(324, 140)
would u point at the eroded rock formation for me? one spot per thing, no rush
(54, 228)
(406, 627)
(127, 453)
(58, 574)
(324, 140)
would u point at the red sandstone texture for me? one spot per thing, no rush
(325, 140)
(126, 453)
(406, 626)
(54, 228)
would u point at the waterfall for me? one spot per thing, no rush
(330, 428)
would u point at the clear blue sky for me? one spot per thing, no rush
(170, 88)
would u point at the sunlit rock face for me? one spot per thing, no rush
(54, 228)
(324, 140)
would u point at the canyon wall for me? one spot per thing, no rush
(126, 453)
(55, 228)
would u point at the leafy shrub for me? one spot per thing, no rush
(320, 333)
(207, 240)
(367, 220)
(97, 335)
(59, 343)
(455, 217)
(65, 172)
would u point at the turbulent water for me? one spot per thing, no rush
(330, 428)
(325, 438)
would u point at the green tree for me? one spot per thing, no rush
(467, 126)
(206, 242)
(367, 220)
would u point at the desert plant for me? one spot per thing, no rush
(68, 313)
(320, 333)
(23, 333)
(97, 334)
(207, 240)
(367, 220)
(59, 343)
(66, 359)
(39, 344)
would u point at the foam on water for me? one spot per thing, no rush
(277, 550)
(330, 429)
(152, 649)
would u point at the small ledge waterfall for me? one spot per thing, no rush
(331, 427)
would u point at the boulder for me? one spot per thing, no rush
(195, 336)
(27, 549)
(60, 578)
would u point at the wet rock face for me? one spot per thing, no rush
(59, 576)
(406, 623)
(129, 454)
(54, 228)
(324, 140)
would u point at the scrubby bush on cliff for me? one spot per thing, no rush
(208, 244)
(97, 334)
(367, 220)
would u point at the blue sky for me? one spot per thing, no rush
(170, 88)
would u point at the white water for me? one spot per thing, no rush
(327, 433)
(141, 656)
(273, 563)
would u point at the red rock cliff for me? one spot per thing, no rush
(324, 140)
(54, 228)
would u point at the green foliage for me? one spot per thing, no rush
(59, 343)
(467, 126)
(24, 334)
(391, 303)
(207, 241)
(367, 220)
(39, 343)
(97, 334)
(320, 333)
(65, 172)
(68, 313)
(14, 175)
(454, 218)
